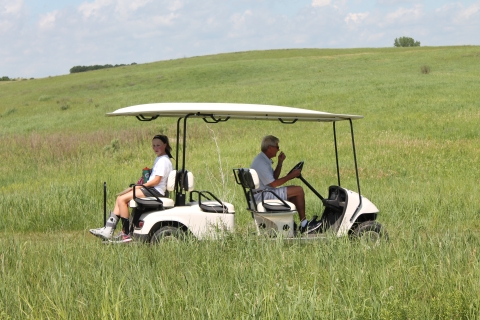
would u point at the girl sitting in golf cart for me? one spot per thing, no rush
(154, 187)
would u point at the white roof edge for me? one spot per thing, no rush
(231, 110)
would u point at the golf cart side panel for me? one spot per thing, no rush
(211, 225)
(367, 207)
(200, 224)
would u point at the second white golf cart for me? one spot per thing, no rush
(203, 215)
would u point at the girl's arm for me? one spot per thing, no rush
(154, 182)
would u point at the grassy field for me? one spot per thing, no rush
(418, 159)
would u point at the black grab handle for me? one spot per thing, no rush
(104, 203)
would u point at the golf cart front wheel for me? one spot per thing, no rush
(370, 231)
(167, 233)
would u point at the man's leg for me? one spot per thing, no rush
(296, 195)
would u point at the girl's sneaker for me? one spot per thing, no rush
(106, 232)
(121, 238)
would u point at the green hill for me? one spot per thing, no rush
(353, 80)
(417, 151)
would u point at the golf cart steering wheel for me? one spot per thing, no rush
(298, 166)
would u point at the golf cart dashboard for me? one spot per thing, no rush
(335, 206)
(334, 192)
(337, 198)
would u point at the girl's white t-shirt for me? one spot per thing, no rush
(161, 167)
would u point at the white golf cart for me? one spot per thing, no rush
(203, 215)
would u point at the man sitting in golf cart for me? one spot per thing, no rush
(270, 180)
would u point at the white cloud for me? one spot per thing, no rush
(47, 21)
(320, 3)
(403, 15)
(300, 39)
(372, 37)
(92, 9)
(397, 2)
(12, 15)
(126, 7)
(166, 20)
(238, 20)
(470, 12)
(175, 5)
(134, 5)
(356, 18)
(11, 7)
(458, 14)
(128, 10)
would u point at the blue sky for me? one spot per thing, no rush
(47, 38)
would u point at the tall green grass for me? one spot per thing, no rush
(418, 160)
(72, 276)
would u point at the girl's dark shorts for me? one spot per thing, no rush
(151, 192)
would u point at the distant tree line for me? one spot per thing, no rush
(406, 42)
(78, 69)
(5, 78)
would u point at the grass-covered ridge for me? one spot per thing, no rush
(418, 159)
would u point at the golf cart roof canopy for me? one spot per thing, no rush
(223, 111)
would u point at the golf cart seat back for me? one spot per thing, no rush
(155, 203)
(248, 179)
(273, 216)
(182, 181)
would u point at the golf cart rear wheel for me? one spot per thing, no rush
(370, 231)
(167, 233)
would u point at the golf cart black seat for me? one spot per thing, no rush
(183, 182)
(212, 203)
(155, 203)
(249, 181)
(148, 203)
(272, 216)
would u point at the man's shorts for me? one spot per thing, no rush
(281, 192)
(150, 192)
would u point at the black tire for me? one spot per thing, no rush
(370, 231)
(167, 233)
